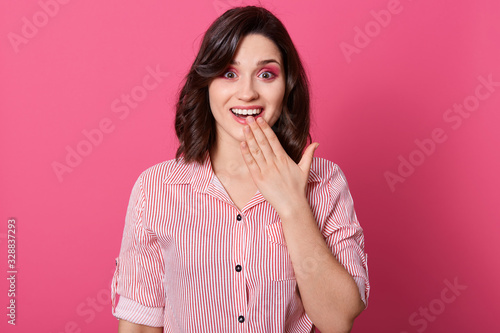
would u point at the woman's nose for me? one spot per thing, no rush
(246, 90)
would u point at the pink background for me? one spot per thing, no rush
(67, 78)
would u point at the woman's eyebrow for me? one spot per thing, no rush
(260, 63)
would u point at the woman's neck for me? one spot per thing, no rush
(226, 158)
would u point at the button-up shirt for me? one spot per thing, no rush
(192, 261)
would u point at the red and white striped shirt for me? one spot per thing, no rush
(191, 261)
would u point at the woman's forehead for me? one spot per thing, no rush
(256, 50)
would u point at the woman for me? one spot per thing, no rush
(241, 231)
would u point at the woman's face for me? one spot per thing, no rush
(255, 80)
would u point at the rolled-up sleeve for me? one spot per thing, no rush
(344, 234)
(138, 277)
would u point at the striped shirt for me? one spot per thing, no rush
(191, 261)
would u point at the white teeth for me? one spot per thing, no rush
(246, 112)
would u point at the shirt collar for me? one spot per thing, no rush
(200, 176)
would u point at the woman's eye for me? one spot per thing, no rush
(229, 75)
(266, 75)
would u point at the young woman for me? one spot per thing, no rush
(243, 231)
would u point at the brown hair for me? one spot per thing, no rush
(194, 122)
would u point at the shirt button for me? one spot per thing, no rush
(238, 217)
(238, 268)
(241, 319)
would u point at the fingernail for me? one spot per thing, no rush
(250, 119)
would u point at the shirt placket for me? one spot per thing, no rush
(239, 236)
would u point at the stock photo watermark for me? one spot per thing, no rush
(454, 117)
(88, 310)
(363, 37)
(12, 271)
(30, 26)
(121, 108)
(425, 315)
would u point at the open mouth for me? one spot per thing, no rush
(243, 113)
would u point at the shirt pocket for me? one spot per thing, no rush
(280, 264)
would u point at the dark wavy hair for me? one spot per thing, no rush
(194, 122)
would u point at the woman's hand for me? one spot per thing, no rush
(281, 181)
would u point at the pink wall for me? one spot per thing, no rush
(387, 94)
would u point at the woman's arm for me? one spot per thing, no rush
(331, 297)
(139, 272)
(128, 327)
(328, 292)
